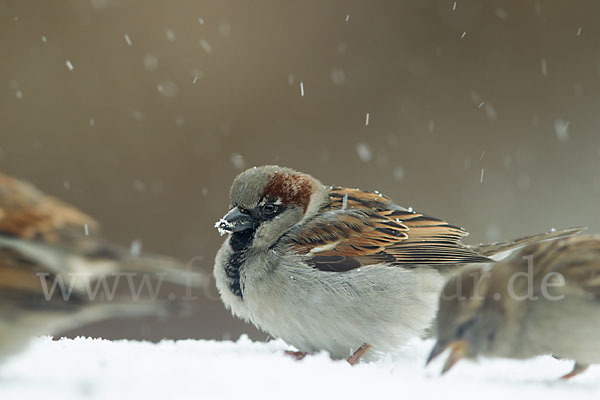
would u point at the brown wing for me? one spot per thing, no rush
(38, 229)
(492, 249)
(576, 258)
(27, 213)
(56, 237)
(23, 285)
(361, 228)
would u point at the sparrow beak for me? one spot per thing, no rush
(458, 350)
(235, 221)
(436, 351)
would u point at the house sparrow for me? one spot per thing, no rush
(332, 268)
(28, 310)
(51, 263)
(544, 299)
(62, 239)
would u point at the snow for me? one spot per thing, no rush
(364, 152)
(338, 76)
(561, 128)
(150, 61)
(135, 248)
(203, 369)
(205, 45)
(223, 226)
(544, 66)
(431, 125)
(238, 160)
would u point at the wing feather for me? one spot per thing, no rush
(362, 228)
(576, 258)
(27, 213)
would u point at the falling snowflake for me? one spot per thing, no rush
(205, 45)
(238, 160)
(170, 35)
(364, 152)
(544, 66)
(135, 249)
(398, 173)
(561, 128)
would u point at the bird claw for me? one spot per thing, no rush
(357, 355)
(298, 355)
(577, 369)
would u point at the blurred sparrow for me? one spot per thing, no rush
(544, 299)
(332, 268)
(51, 261)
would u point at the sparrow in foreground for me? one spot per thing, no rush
(335, 269)
(51, 267)
(544, 299)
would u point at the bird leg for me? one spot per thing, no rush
(355, 358)
(298, 355)
(577, 369)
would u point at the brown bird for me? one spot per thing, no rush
(544, 299)
(53, 265)
(333, 268)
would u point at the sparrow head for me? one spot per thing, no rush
(469, 317)
(265, 202)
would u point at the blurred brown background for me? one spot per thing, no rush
(484, 113)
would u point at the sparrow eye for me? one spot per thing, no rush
(270, 209)
(462, 329)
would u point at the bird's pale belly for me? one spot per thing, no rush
(313, 310)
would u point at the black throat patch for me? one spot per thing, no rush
(239, 243)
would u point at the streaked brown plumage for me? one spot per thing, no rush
(27, 213)
(332, 268)
(365, 228)
(493, 311)
(43, 239)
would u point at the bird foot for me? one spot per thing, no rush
(577, 369)
(298, 355)
(355, 358)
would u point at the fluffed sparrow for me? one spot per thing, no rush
(544, 299)
(45, 243)
(331, 268)
(62, 239)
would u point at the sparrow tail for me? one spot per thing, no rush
(499, 250)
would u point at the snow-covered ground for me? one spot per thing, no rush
(199, 369)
